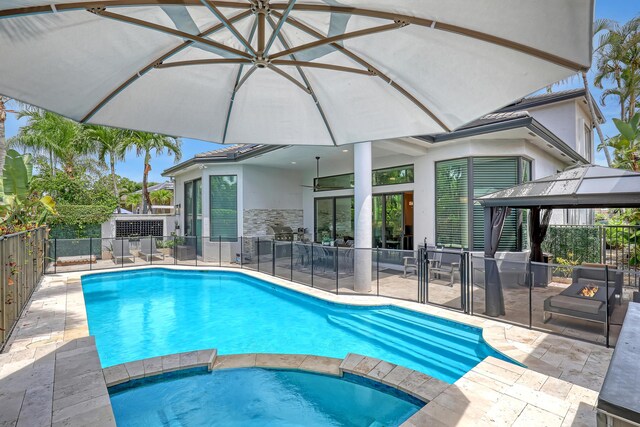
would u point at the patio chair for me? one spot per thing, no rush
(148, 248)
(121, 250)
(409, 265)
(446, 262)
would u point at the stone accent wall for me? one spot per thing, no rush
(256, 222)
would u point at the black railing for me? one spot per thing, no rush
(23, 264)
(509, 288)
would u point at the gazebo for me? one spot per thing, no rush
(586, 186)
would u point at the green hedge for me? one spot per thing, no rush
(79, 221)
(576, 244)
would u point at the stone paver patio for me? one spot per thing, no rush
(559, 387)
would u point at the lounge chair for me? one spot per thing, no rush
(121, 250)
(148, 248)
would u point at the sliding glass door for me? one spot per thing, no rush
(388, 221)
(334, 219)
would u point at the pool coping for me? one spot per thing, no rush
(58, 308)
(423, 387)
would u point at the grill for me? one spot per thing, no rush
(280, 232)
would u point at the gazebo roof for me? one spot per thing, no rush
(586, 186)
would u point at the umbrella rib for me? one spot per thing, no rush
(170, 31)
(278, 28)
(288, 77)
(157, 61)
(339, 37)
(294, 22)
(203, 62)
(214, 9)
(285, 44)
(441, 26)
(237, 83)
(322, 66)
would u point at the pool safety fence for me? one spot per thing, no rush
(587, 302)
(23, 264)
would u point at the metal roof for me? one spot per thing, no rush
(587, 186)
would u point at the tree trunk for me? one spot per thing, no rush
(594, 119)
(145, 190)
(115, 182)
(53, 166)
(3, 139)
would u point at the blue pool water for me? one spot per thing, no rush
(257, 397)
(147, 313)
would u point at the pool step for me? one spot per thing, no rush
(420, 354)
(438, 330)
(451, 349)
(461, 331)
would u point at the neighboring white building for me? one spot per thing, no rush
(422, 187)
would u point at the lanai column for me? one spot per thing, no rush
(363, 214)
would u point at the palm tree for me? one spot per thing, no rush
(63, 140)
(133, 200)
(618, 61)
(162, 197)
(110, 142)
(145, 143)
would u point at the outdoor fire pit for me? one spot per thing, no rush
(589, 291)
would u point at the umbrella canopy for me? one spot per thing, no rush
(317, 72)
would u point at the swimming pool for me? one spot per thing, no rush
(146, 313)
(258, 397)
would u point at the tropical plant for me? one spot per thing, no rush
(110, 142)
(618, 61)
(63, 140)
(626, 145)
(145, 143)
(161, 197)
(133, 200)
(3, 138)
(20, 207)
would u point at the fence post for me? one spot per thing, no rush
(471, 282)
(3, 296)
(241, 252)
(530, 280)
(311, 264)
(150, 248)
(175, 250)
(336, 262)
(378, 271)
(273, 257)
(196, 248)
(55, 255)
(606, 325)
(258, 252)
(90, 253)
(291, 261)
(603, 245)
(219, 250)
(122, 252)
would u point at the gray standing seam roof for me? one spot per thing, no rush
(587, 186)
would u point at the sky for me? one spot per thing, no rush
(618, 10)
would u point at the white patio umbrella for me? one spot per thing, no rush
(318, 72)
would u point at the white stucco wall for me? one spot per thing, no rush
(560, 119)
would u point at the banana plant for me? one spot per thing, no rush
(18, 205)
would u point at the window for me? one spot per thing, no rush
(386, 176)
(395, 175)
(491, 174)
(334, 218)
(460, 221)
(223, 202)
(336, 182)
(588, 143)
(452, 204)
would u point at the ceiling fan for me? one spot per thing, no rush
(320, 187)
